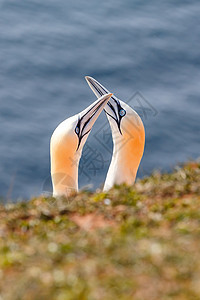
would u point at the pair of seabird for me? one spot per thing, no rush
(70, 136)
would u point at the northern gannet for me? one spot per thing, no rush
(66, 146)
(128, 138)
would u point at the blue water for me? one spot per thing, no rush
(147, 49)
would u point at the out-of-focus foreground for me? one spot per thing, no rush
(131, 243)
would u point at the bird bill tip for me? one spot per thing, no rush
(107, 96)
(89, 78)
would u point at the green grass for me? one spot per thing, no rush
(140, 242)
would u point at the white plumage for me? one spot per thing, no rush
(66, 146)
(128, 138)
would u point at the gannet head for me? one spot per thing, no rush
(128, 137)
(124, 121)
(66, 146)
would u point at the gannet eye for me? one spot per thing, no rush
(122, 112)
(77, 130)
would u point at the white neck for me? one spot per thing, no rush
(64, 173)
(127, 154)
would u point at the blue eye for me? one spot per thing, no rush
(77, 130)
(122, 112)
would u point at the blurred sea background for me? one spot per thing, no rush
(147, 53)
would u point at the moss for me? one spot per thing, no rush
(140, 242)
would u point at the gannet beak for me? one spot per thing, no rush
(88, 116)
(113, 107)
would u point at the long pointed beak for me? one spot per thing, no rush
(88, 116)
(98, 89)
(113, 107)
